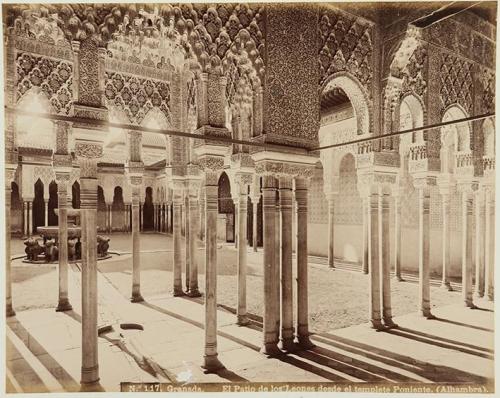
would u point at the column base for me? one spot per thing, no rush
(193, 293)
(365, 271)
(470, 304)
(211, 364)
(178, 292)
(90, 379)
(91, 387)
(64, 305)
(389, 323)
(446, 285)
(427, 314)
(305, 342)
(242, 320)
(377, 325)
(9, 310)
(288, 345)
(270, 349)
(479, 294)
(136, 298)
(399, 278)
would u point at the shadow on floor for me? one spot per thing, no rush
(429, 371)
(55, 369)
(463, 324)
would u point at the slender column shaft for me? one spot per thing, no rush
(445, 282)
(302, 283)
(211, 361)
(366, 240)
(155, 217)
(242, 257)
(30, 218)
(467, 248)
(236, 222)
(385, 262)
(269, 207)
(167, 229)
(374, 262)
(26, 218)
(187, 239)
(277, 270)
(489, 243)
(63, 304)
(331, 231)
(177, 204)
(141, 208)
(46, 204)
(136, 246)
(287, 332)
(397, 237)
(8, 281)
(255, 204)
(479, 243)
(423, 250)
(88, 213)
(194, 226)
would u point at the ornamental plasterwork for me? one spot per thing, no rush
(415, 73)
(54, 77)
(86, 150)
(45, 174)
(456, 82)
(284, 169)
(345, 44)
(488, 92)
(136, 96)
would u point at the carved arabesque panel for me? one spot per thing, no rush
(456, 82)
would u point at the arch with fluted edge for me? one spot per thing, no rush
(411, 113)
(459, 133)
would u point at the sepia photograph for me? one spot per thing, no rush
(248, 197)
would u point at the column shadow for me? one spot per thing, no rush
(463, 324)
(429, 371)
(55, 369)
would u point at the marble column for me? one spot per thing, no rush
(167, 217)
(385, 257)
(155, 217)
(202, 214)
(374, 260)
(9, 177)
(141, 216)
(241, 312)
(177, 253)
(255, 204)
(423, 251)
(467, 203)
(236, 223)
(489, 242)
(46, 207)
(194, 225)
(211, 362)
(287, 330)
(88, 217)
(111, 217)
(136, 182)
(331, 230)
(62, 179)
(366, 239)
(187, 238)
(397, 236)
(270, 332)
(446, 236)
(479, 243)
(26, 218)
(302, 329)
(277, 262)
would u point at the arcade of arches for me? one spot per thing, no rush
(122, 83)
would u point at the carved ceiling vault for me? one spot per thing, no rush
(345, 44)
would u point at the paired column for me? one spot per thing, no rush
(62, 200)
(423, 251)
(385, 260)
(255, 205)
(479, 243)
(9, 177)
(270, 330)
(136, 182)
(187, 240)
(489, 242)
(193, 208)
(177, 254)
(27, 217)
(467, 203)
(397, 236)
(287, 331)
(331, 230)
(366, 234)
(374, 259)
(446, 236)
(243, 181)
(302, 330)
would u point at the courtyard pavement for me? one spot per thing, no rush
(44, 346)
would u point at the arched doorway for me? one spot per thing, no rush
(148, 211)
(226, 210)
(118, 210)
(101, 210)
(38, 206)
(16, 209)
(53, 204)
(75, 195)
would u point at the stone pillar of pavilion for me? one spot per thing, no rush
(178, 187)
(397, 193)
(187, 234)
(193, 179)
(10, 171)
(487, 185)
(479, 215)
(202, 212)
(331, 228)
(366, 234)
(211, 100)
(446, 189)
(62, 163)
(377, 176)
(255, 198)
(88, 89)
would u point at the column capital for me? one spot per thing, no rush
(88, 153)
(369, 182)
